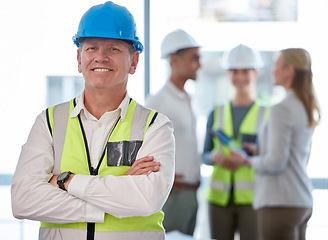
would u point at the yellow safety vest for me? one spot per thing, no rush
(223, 179)
(122, 147)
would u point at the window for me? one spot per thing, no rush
(61, 89)
(248, 10)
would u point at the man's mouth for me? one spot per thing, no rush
(101, 70)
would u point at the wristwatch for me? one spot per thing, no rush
(62, 178)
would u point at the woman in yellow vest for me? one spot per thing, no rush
(230, 194)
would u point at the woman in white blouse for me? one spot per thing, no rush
(283, 197)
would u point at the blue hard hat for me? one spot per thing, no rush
(108, 20)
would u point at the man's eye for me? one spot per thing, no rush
(114, 49)
(91, 49)
(196, 58)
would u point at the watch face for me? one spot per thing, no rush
(63, 176)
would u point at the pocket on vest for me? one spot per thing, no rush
(122, 153)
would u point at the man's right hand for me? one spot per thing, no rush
(144, 166)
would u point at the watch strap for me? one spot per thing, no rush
(61, 185)
(62, 181)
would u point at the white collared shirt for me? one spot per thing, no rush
(176, 105)
(90, 197)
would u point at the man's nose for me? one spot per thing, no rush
(102, 56)
(199, 65)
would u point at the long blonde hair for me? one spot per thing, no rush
(302, 83)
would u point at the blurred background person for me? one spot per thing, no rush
(182, 52)
(230, 194)
(283, 192)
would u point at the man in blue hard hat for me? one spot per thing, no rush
(100, 166)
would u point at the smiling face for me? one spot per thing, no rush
(242, 79)
(106, 63)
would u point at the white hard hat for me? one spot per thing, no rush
(242, 57)
(175, 41)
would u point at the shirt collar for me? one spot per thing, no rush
(174, 90)
(80, 107)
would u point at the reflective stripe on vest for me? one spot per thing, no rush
(123, 145)
(243, 178)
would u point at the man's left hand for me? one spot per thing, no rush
(144, 166)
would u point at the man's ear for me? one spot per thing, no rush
(173, 59)
(134, 62)
(79, 61)
(256, 73)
